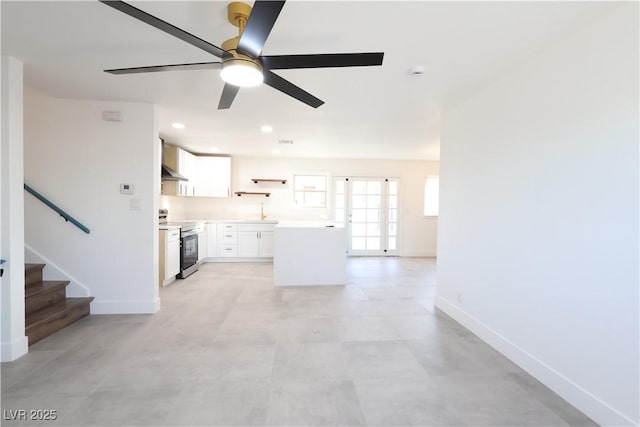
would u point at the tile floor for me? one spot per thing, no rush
(229, 349)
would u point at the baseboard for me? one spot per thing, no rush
(125, 307)
(593, 407)
(54, 272)
(237, 259)
(418, 254)
(10, 351)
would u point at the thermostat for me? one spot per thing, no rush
(127, 188)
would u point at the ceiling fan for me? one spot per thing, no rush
(241, 61)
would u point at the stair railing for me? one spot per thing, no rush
(51, 205)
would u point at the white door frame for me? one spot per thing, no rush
(343, 213)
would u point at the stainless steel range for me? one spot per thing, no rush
(188, 244)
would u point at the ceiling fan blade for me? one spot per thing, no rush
(173, 67)
(263, 16)
(281, 62)
(290, 89)
(166, 27)
(228, 95)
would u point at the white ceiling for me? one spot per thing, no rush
(370, 112)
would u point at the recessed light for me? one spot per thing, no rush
(177, 125)
(266, 129)
(276, 152)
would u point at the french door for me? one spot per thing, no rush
(368, 208)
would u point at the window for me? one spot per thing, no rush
(310, 191)
(431, 196)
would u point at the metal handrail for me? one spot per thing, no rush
(50, 204)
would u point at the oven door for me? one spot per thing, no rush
(189, 251)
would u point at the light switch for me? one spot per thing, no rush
(135, 204)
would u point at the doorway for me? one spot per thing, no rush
(368, 208)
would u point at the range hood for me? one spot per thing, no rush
(169, 174)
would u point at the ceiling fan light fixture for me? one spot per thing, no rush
(241, 72)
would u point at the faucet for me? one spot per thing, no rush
(262, 215)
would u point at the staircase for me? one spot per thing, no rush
(47, 308)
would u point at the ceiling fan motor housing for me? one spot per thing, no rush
(238, 14)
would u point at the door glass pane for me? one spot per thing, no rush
(358, 243)
(373, 243)
(340, 187)
(393, 202)
(373, 202)
(359, 202)
(339, 215)
(340, 201)
(358, 229)
(373, 229)
(359, 187)
(392, 243)
(373, 187)
(359, 215)
(392, 229)
(373, 215)
(393, 187)
(393, 215)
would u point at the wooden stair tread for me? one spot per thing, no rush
(28, 268)
(50, 313)
(44, 286)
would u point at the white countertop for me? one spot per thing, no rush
(168, 227)
(232, 221)
(308, 224)
(251, 221)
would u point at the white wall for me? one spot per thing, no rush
(280, 204)
(13, 342)
(78, 160)
(538, 231)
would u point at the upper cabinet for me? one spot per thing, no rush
(214, 176)
(208, 176)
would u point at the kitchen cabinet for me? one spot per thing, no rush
(203, 238)
(248, 244)
(185, 164)
(189, 164)
(266, 243)
(213, 176)
(244, 239)
(169, 260)
(227, 239)
(212, 240)
(208, 176)
(255, 240)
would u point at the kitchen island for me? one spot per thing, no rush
(309, 253)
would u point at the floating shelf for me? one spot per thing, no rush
(251, 193)
(257, 180)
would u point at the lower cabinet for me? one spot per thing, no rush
(266, 243)
(203, 241)
(212, 240)
(169, 263)
(227, 240)
(255, 240)
(245, 240)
